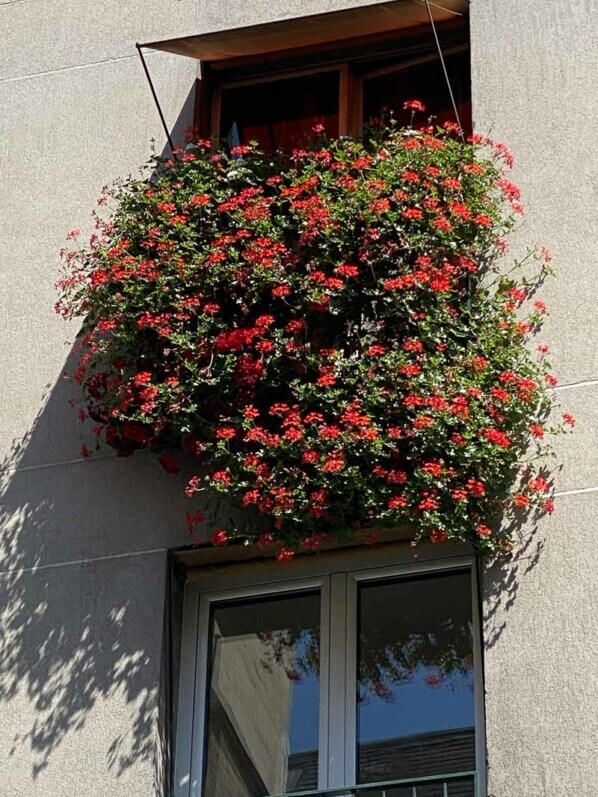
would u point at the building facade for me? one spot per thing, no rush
(99, 665)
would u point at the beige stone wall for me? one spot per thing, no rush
(535, 86)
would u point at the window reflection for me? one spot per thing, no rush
(415, 697)
(263, 711)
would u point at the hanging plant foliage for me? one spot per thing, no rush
(328, 334)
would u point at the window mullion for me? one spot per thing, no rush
(351, 626)
(337, 681)
(325, 630)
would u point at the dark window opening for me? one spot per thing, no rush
(280, 114)
(425, 82)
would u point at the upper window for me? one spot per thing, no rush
(278, 103)
(346, 679)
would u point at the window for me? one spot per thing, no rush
(278, 102)
(338, 677)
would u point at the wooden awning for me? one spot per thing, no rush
(312, 30)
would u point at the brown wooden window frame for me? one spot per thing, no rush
(355, 60)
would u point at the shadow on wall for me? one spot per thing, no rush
(83, 609)
(502, 578)
(76, 627)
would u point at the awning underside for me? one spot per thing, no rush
(310, 30)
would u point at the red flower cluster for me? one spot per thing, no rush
(319, 336)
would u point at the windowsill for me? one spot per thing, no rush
(206, 555)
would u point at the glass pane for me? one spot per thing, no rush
(425, 82)
(415, 686)
(280, 114)
(263, 711)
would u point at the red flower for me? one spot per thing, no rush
(169, 463)
(476, 487)
(200, 200)
(423, 421)
(285, 555)
(568, 419)
(496, 437)
(396, 476)
(414, 214)
(442, 224)
(539, 485)
(137, 432)
(451, 183)
(310, 457)
(265, 540)
(348, 271)
(293, 435)
(521, 501)
(333, 465)
(329, 316)
(297, 325)
(395, 432)
(222, 477)
(414, 105)
(413, 345)
(251, 497)
(192, 486)
(226, 433)
(429, 502)
(330, 432)
(536, 430)
(218, 537)
(433, 468)
(474, 168)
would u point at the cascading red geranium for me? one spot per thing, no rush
(331, 337)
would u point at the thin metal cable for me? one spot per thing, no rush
(444, 69)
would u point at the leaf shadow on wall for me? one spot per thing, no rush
(81, 616)
(503, 576)
(83, 585)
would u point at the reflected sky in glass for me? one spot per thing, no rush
(415, 696)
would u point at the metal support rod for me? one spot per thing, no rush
(156, 100)
(444, 69)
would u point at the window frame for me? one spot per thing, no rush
(217, 77)
(337, 575)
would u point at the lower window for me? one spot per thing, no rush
(365, 679)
